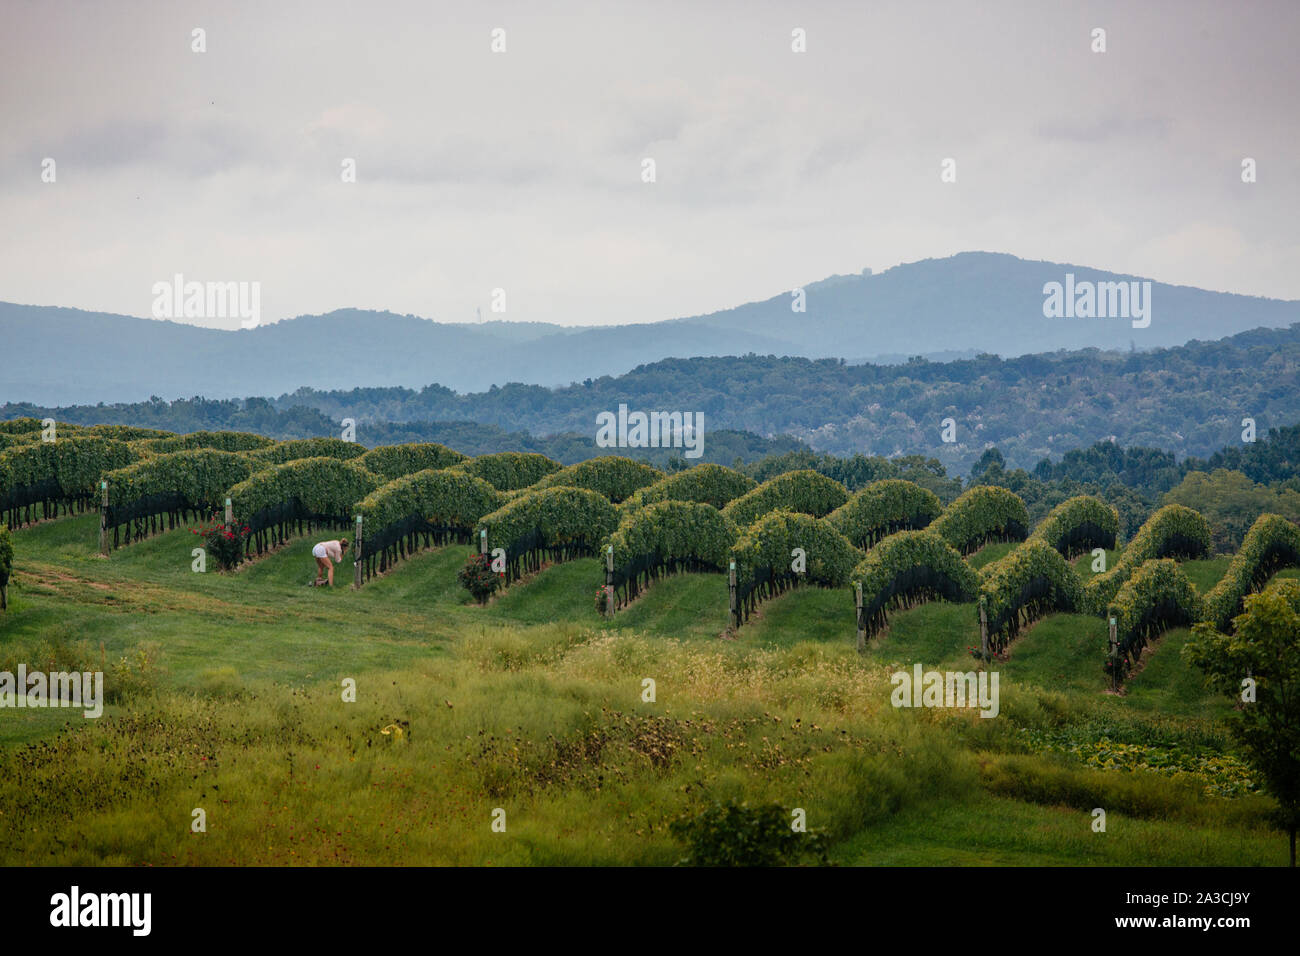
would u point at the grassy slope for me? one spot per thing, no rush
(534, 704)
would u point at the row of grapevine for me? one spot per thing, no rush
(1174, 531)
(709, 484)
(214, 441)
(510, 470)
(1078, 525)
(394, 461)
(765, 557)
(433, 507)
(310, 491)
(666, 537)
(1156, 596)
(884, 508)
(1030, 582)
(983, 514)
(1271, 544)
(615, 477)
(909, 568)
(803, 492)
(6, 565)
(559, 523)
(52, 474)
(170, 486)
(300, 448)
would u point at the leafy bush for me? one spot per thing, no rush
(1272, 543)
(805, 492)
(708, 484)
(561, 523)
(736, 834)
(298, 448)
(6, 564)
(394, 461)
(510, 470)
(909, 568)
(883, 508)
(135, 676)
(764, 558)
(615, 477)
(983, 514)
(478, 578)
(666, 537)
(1172, 532)
(1155, 597)
(225, 542)
(1079, 524)
(1030, 582)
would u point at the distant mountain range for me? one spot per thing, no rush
(955, 307)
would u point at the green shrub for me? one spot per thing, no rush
(299, 448)
(1172, 532)
(708, 484)
(613, 476)
(764, 557)
(983, 514)
(562, 523)
(1078, 525)
(909, 568)
(135, 676)
(394, 461)
(666, 537)
(736, 834)
(1155, 597)
(226, 542)
(478, 578)
(805, 492)
(1272, 543)
(883, 508)
(509, 470)
(1030, 582)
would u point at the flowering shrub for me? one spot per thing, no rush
(602, 598)
(224, 542)
(478, 578)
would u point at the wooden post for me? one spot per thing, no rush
(103, 518)
(984, 630)
(356, 560)
(1114, 655)
(482, 542)
(731, 593)
(230, 512)
(862, 624)
(609, 580)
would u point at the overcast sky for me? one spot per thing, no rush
(522, 170)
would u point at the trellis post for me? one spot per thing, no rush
(609, 580)
(862, 624)
(731, 593)
(482, 541)
(356, 561)
(984, 630)
(103, 518)
(230, 512)
(1114, 655)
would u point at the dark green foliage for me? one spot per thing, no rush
(1172, 532)
(806, 492)
(1018, 589)
(510, 470)
(983, 514)
(124, 432)
(714, 485)
(555, 523)
(6, 564)
(394, 461)
(1157, 596)
(666, 537)
(1078, 525)
(615, 477)
(909, 568)
(1272, 543)
(764, 556)
(884, 508)
(299, 448)
(64, 473)
(217, 441)
(310, 490)
(736, 834)
(171, 485)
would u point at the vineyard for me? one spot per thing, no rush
(889, 546)
(798, 570)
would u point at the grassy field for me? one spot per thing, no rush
(227, 697)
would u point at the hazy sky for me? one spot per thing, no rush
(522, 170)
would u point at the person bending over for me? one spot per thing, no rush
(324, 553)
